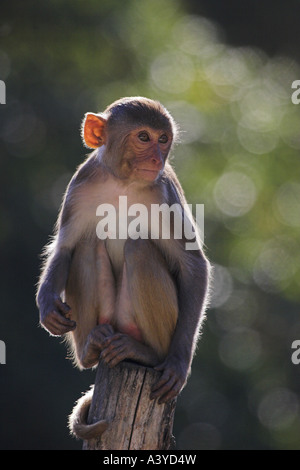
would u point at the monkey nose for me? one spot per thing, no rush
(157, 159)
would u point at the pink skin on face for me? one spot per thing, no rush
(150, 148)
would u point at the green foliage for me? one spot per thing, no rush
(239, 156)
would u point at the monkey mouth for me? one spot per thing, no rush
(147, 174)
(149, 171)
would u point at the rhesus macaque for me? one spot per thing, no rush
(117, 298)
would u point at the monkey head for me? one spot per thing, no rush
(136, 134)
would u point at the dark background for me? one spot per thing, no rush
(224, 69)
(269, 25)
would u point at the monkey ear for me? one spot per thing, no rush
(94, 130)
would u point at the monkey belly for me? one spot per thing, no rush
(115, 250)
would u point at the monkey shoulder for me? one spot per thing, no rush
(86, 181)
(89, 172)
(82, 194)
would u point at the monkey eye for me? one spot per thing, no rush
(143, 136)
(163, 139)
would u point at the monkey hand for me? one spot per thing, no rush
(54, 317)
(120, 346)
(94, 344)
(173, 378)
(98, 334)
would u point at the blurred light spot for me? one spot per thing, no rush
(173, 72)
(234, 193)
(278, 409)
(283, 70)
(240, 349)
(260, 110)
(245, 253)
(33, 144)
(23, 132)
(287, 203)
(275, 263)
(229, 144)
(19, 126)
(190, 120)
(289, 129)
(257, 142)
(199, 436)
(196, 35)
(229, 68)
(221, 286)
(238, 311)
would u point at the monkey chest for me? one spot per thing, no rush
(115, 215)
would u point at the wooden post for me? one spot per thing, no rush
(122, 397)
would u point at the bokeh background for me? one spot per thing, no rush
(224, 69)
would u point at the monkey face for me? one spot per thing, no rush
(147, 152)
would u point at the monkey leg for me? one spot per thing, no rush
(105, 285)
(149, 295)
(91, 292)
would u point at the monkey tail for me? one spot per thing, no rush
(78, 419)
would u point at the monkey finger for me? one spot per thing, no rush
(163, 391)
(108, 352)
(173, 392)
(123, 352)
(169, 395)
(101, 332)
(58, 324)
(60, 331)
(64, 322)
(112, 346)
(58, 318)
(57, 330)
(108, 329)
(116, 361)
(158, 392)
(62, 306)
(166, 376)
(114, 339)
(112, 356)
(160, 367)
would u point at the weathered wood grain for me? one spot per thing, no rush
(122, 397)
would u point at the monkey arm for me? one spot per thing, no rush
(192, 290)
(54, 312)
(192, 293)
